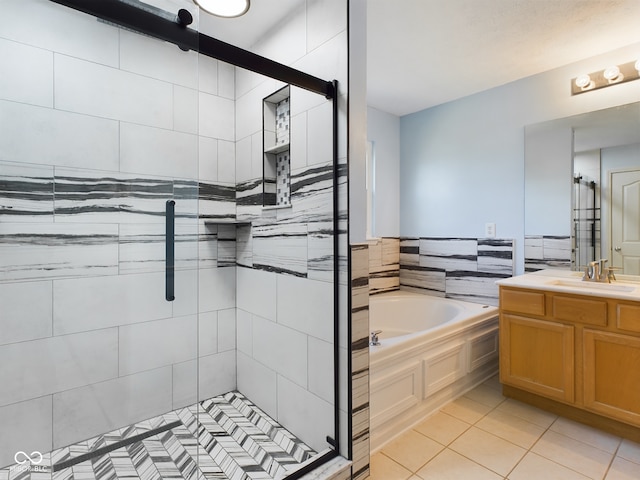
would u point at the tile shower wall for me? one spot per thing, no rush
(547, 251)
(285, 270)
(97, 135)
(462, 268)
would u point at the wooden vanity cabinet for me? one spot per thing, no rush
(576, 355)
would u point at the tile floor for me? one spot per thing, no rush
(485, 436)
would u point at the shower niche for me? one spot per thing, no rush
(276, 137)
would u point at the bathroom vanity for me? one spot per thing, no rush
(573, 347)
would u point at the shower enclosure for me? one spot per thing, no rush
(158, 317)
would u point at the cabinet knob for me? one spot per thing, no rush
(618, 249)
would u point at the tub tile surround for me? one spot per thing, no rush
(483, 435)
(547, 251)
(460, 268)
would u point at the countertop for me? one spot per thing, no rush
(626, 287)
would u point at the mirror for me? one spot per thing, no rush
(582, 190)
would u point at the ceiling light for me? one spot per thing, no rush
(612, 75)
(224, 8)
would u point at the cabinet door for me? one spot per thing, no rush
(612, 375)
(537, 356)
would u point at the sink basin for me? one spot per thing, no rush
(612, 287)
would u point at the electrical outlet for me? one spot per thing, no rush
(490, 230)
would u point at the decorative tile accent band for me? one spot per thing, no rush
(547, 251)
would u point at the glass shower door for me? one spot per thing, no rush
(99, 343)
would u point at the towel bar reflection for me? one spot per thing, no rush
(170, 250)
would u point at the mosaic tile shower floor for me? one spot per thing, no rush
(226, 437)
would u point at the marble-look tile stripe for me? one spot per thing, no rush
(26, 193)
(495, 255)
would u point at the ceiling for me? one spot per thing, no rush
(421, 53)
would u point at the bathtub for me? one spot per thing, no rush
(431, 351)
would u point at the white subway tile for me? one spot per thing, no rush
(85, 87)
(243, 159)
(207, 333)
(185, 109)
(91, 303)
(155, 151)
(285, 45)
(185, 384)
(208, 158)
(302, 412)
(227, 330)
(325, 20)
(281, 349)
(321, 369)
(226, 80)
(59, 29)
(258, 383)
(27, 74)
(306, 305)
(41, 367)
(217, 374)
(64, 138)
(156, 59)
(186, 293)
(216, 117)
(329, 61)
(299, 141)
(27, 311)
(102, 407)
(257, 292)
(244, 333)
(149, 345)
(226, 161)
(208, 75)
(217, 288)
(26, 426)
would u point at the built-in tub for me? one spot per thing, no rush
(431, 351)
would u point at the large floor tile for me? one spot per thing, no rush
(488, 450)
(466, 410)
(630, 451)
(622, 469)
(412, 450)
(494, 382)
(534, 466)
(578, 456)
(383, 468)
(527, 412)
(442, 428)
(486, 395)
(511, 428)
(589, 435)
(449, 465)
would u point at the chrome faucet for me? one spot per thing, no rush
(597, 271)
(374, 338)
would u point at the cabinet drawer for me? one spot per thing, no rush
(522, 302)
(628, 317)
(581, 310)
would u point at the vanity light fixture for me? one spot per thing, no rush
(224, 8)
(611, 75)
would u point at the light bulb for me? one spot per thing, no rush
(611, 73)
(224, 8)
(583, 81)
